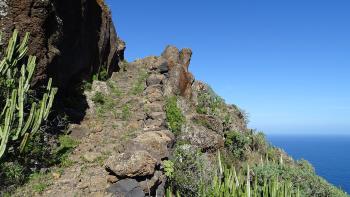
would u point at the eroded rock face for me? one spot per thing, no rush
(203, 138)
(71, 38)
(211, 122)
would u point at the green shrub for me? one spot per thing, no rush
(12, 173)
(101, 75)
(174, 115)
(98, 98)
(21, 116)
(237, 143)
(189, 170)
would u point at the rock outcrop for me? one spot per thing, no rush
(71, 38)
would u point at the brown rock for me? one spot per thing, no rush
(71, 38)
(185, 58)
(131, 164)
(112, 179)
(180, 79)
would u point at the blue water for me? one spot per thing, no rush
(330, 155)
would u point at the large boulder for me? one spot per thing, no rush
(131, 164)
(71, 38)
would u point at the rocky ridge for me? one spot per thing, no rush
(125, 140)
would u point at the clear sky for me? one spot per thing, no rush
(287, 63)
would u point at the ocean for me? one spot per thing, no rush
(330, 155)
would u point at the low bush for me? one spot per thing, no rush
(189, 170)
(238, 144)
(175, 118)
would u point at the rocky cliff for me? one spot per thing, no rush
(71, 38)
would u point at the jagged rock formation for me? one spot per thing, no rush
(71, 38)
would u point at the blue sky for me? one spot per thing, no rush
(287, 63)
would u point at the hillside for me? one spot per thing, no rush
(145, 128)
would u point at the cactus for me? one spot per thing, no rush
(20, 119)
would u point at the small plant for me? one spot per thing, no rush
(66, 142)
(169, 168)
(139, 86)
(98, 98)
(12, 173)
(101, 75)
(174, 115)
(40, 187)
(126, 112)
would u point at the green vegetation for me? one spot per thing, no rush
(98, 98)
(237, 143)
(126, 112)
(140, 84)
(174, 115)
(209, 102)
(169, 168)
(104, 103)
(302, 177)
(20, 116)
(188, 170)
(227, 182)
(102, 74)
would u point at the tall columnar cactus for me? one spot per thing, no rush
(20, 118)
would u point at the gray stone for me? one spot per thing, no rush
(3, 8)
(149, 184)
(203, 138)
(126, 188)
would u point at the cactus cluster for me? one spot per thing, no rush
(20, 115)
